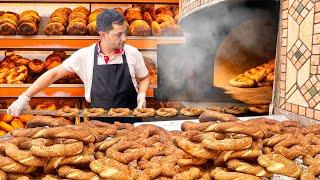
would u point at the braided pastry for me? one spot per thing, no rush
(70, 132)
(291, 148)
(189, 125)
(110, 168)
(17, 75)
(192, 173)
(35, 142)
(197, 150)
(221, 174)
(119, 112)
(228, 144)
(216, 116)
(66, 111)
(210, 136)
(247, 168)
(278, 164)
(117, 152)
(9, 165)
(57, 150)
(144, 112)
(191, 111)
(24, 157)
(72, 173)
(167, 112)
(236, 127)
(93, 112)
(192, 161)
(310, 173)
(253, 152)
(104, 145)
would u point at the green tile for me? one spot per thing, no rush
(313, 91)
(298, 54)
(300, 8)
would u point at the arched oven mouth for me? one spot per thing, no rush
(223, 41)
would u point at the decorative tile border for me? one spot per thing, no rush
(304, 61)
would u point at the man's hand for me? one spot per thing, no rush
(20, 104)
(141, 100)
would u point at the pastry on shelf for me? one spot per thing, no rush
(82, 9)
(36, 66)
(17, 75)
(164, 18)
(55, 28)
(164, 10)
(147, 17)
(78, 20)
(3, 75)
(28, 23)
(8, 23)
(58, 22)
(92, 28)
(76, 28)
(146, 8)
(258, 76)
(21, 61)
(156, 29)
(170, 29)
(132, 14)
(52, 61)
(139, 28)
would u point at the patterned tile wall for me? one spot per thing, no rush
(299, 76)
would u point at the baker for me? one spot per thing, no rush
(113, 73)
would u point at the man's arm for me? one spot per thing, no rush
(42, 82)
(46, 80)
(144, 84)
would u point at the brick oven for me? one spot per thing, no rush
(297, 51)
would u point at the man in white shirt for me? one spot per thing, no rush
(109, 70)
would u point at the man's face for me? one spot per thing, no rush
(116, 37)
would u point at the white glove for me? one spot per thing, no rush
(141, 100)
(18, 105)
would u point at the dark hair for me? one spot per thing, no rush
(107, 18)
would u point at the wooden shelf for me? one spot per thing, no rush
(55, 90)
(92, 1)
(77, 42)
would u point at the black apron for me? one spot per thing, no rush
(112, 87)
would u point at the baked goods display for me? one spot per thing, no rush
(8, 122)
(256, 77)
(15, 69)
(212, 150)
(58, 22)
(145, 19)
(142, 19)
(8, 23)
(28, 24)
(78, 20)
